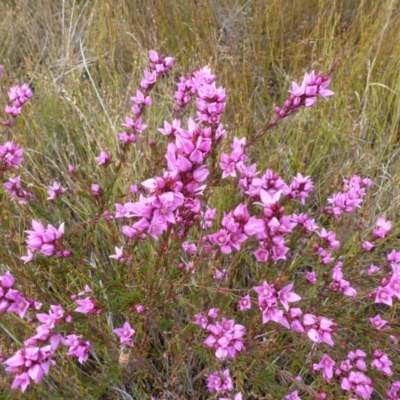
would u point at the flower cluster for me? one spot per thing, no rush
(86, 305)
(11, 300)
(210, 103)
(14, 187)
(340, 284)
(159, 65)
(189, 86)
(19, 95)
(268, 299)
(237, 226)
(46, 240)
(350, 198)
(220, 381)
(381, 230)
(55, 191)
(172, 198)
(10, 156)
(300, 188)
(305, 94)
(382, 363)
(29, 364)
(318, 329)
(77, 347)
(390, 286)
(352, 380)
(327, 244)
(32, 362)
(273, 225)
(394, 392)
(226, 338)
(175, 204)
(44, 331)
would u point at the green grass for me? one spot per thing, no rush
(84, 60)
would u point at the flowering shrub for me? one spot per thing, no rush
(302, 316)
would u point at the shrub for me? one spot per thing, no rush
(264, 293)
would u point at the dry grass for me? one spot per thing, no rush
(84, 60)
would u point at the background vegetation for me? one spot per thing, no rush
(84, 60)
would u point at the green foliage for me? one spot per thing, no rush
(84, 60)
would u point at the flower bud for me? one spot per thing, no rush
(7, 280)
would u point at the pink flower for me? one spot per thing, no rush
(305, 93)
(382, 228)
(219, 381)
(201, 319)
(311, 277)
(372, 269)
(189, 247)
(382, 362)
(140, 309)
(77, 347)
(221, 238)
(213, 313)
(226, 338)
(29, 363)
(358, 358)
(127, 139)
(221, 275)
(125, 333)
(326, 364)
(394, 256)
(141, 99)
(378, 322)
(384, 295)
(293, 396)
(367, 246)
(359, 383)
(286, 296)
(10, 156)
(148, 80)
(14, 111)
(300, 188)
(19, 304)
(104, 158)
(14, 187)
(55, 191)
(329, 238)
(319, 329)
(46, 240)
(85, 290)
(265, 291)
(245, 303)
(159, 63)
(339, 283)
(20, 94)
(7, 280)
(170, 129)
(394, 285)
(119, 256)
(87, 305)
(96, 189)
(394, 392)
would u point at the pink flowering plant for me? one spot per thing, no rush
(280, 290)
